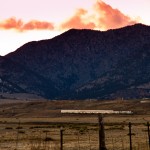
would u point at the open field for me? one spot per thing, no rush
(35, 125)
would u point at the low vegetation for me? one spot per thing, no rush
(28, 131)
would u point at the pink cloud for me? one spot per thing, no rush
(19, 25)
(103, 17)
(77, 21)
(110, 18)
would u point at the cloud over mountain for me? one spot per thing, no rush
(20, 25)
(101, 17)
(78, 21)
(109, 17)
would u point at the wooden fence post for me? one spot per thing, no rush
(148, 133)
(130, 135)
(102, 145)
(61, 139)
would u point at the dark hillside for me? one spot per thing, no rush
(85, 64)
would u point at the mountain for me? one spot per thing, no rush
(81, 64)
(16, 78)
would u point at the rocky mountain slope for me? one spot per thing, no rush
(81, 64)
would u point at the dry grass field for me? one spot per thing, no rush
(36, 124)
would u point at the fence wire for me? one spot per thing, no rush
(74, 138)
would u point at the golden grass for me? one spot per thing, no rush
(35, 125)
(80, 136)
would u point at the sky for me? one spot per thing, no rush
(22, 21)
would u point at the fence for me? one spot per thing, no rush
(124, 136)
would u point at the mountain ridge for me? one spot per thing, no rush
(66, 65)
